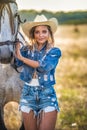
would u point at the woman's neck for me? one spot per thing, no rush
(39, 46)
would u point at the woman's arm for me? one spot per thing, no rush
(25, 60)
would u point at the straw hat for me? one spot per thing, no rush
(40, 20)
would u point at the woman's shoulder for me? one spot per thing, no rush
(55, 51)
(26, 49)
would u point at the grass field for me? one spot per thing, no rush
(71, 76)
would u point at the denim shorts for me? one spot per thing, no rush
(38, 99)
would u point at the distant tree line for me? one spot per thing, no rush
(76, 17)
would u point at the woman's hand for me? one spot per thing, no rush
(25, 60)
(17, 52)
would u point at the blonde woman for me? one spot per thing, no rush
(38, 101)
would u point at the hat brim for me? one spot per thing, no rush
(53, 23)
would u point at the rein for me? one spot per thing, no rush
(7, 43)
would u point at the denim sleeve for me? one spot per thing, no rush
(18, 63)
(50, 60)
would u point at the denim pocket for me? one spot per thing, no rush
(49, 91)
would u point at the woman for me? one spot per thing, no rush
(38, 101)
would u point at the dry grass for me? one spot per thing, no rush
(71, 76)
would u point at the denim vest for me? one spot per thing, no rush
(47, 65)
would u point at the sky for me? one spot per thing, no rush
(52, 5)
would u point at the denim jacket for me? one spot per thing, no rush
(47, 65)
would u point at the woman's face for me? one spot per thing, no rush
(41, 34)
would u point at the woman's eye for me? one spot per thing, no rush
(44, 31)
(36, 32)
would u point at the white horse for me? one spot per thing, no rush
(10, 31)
